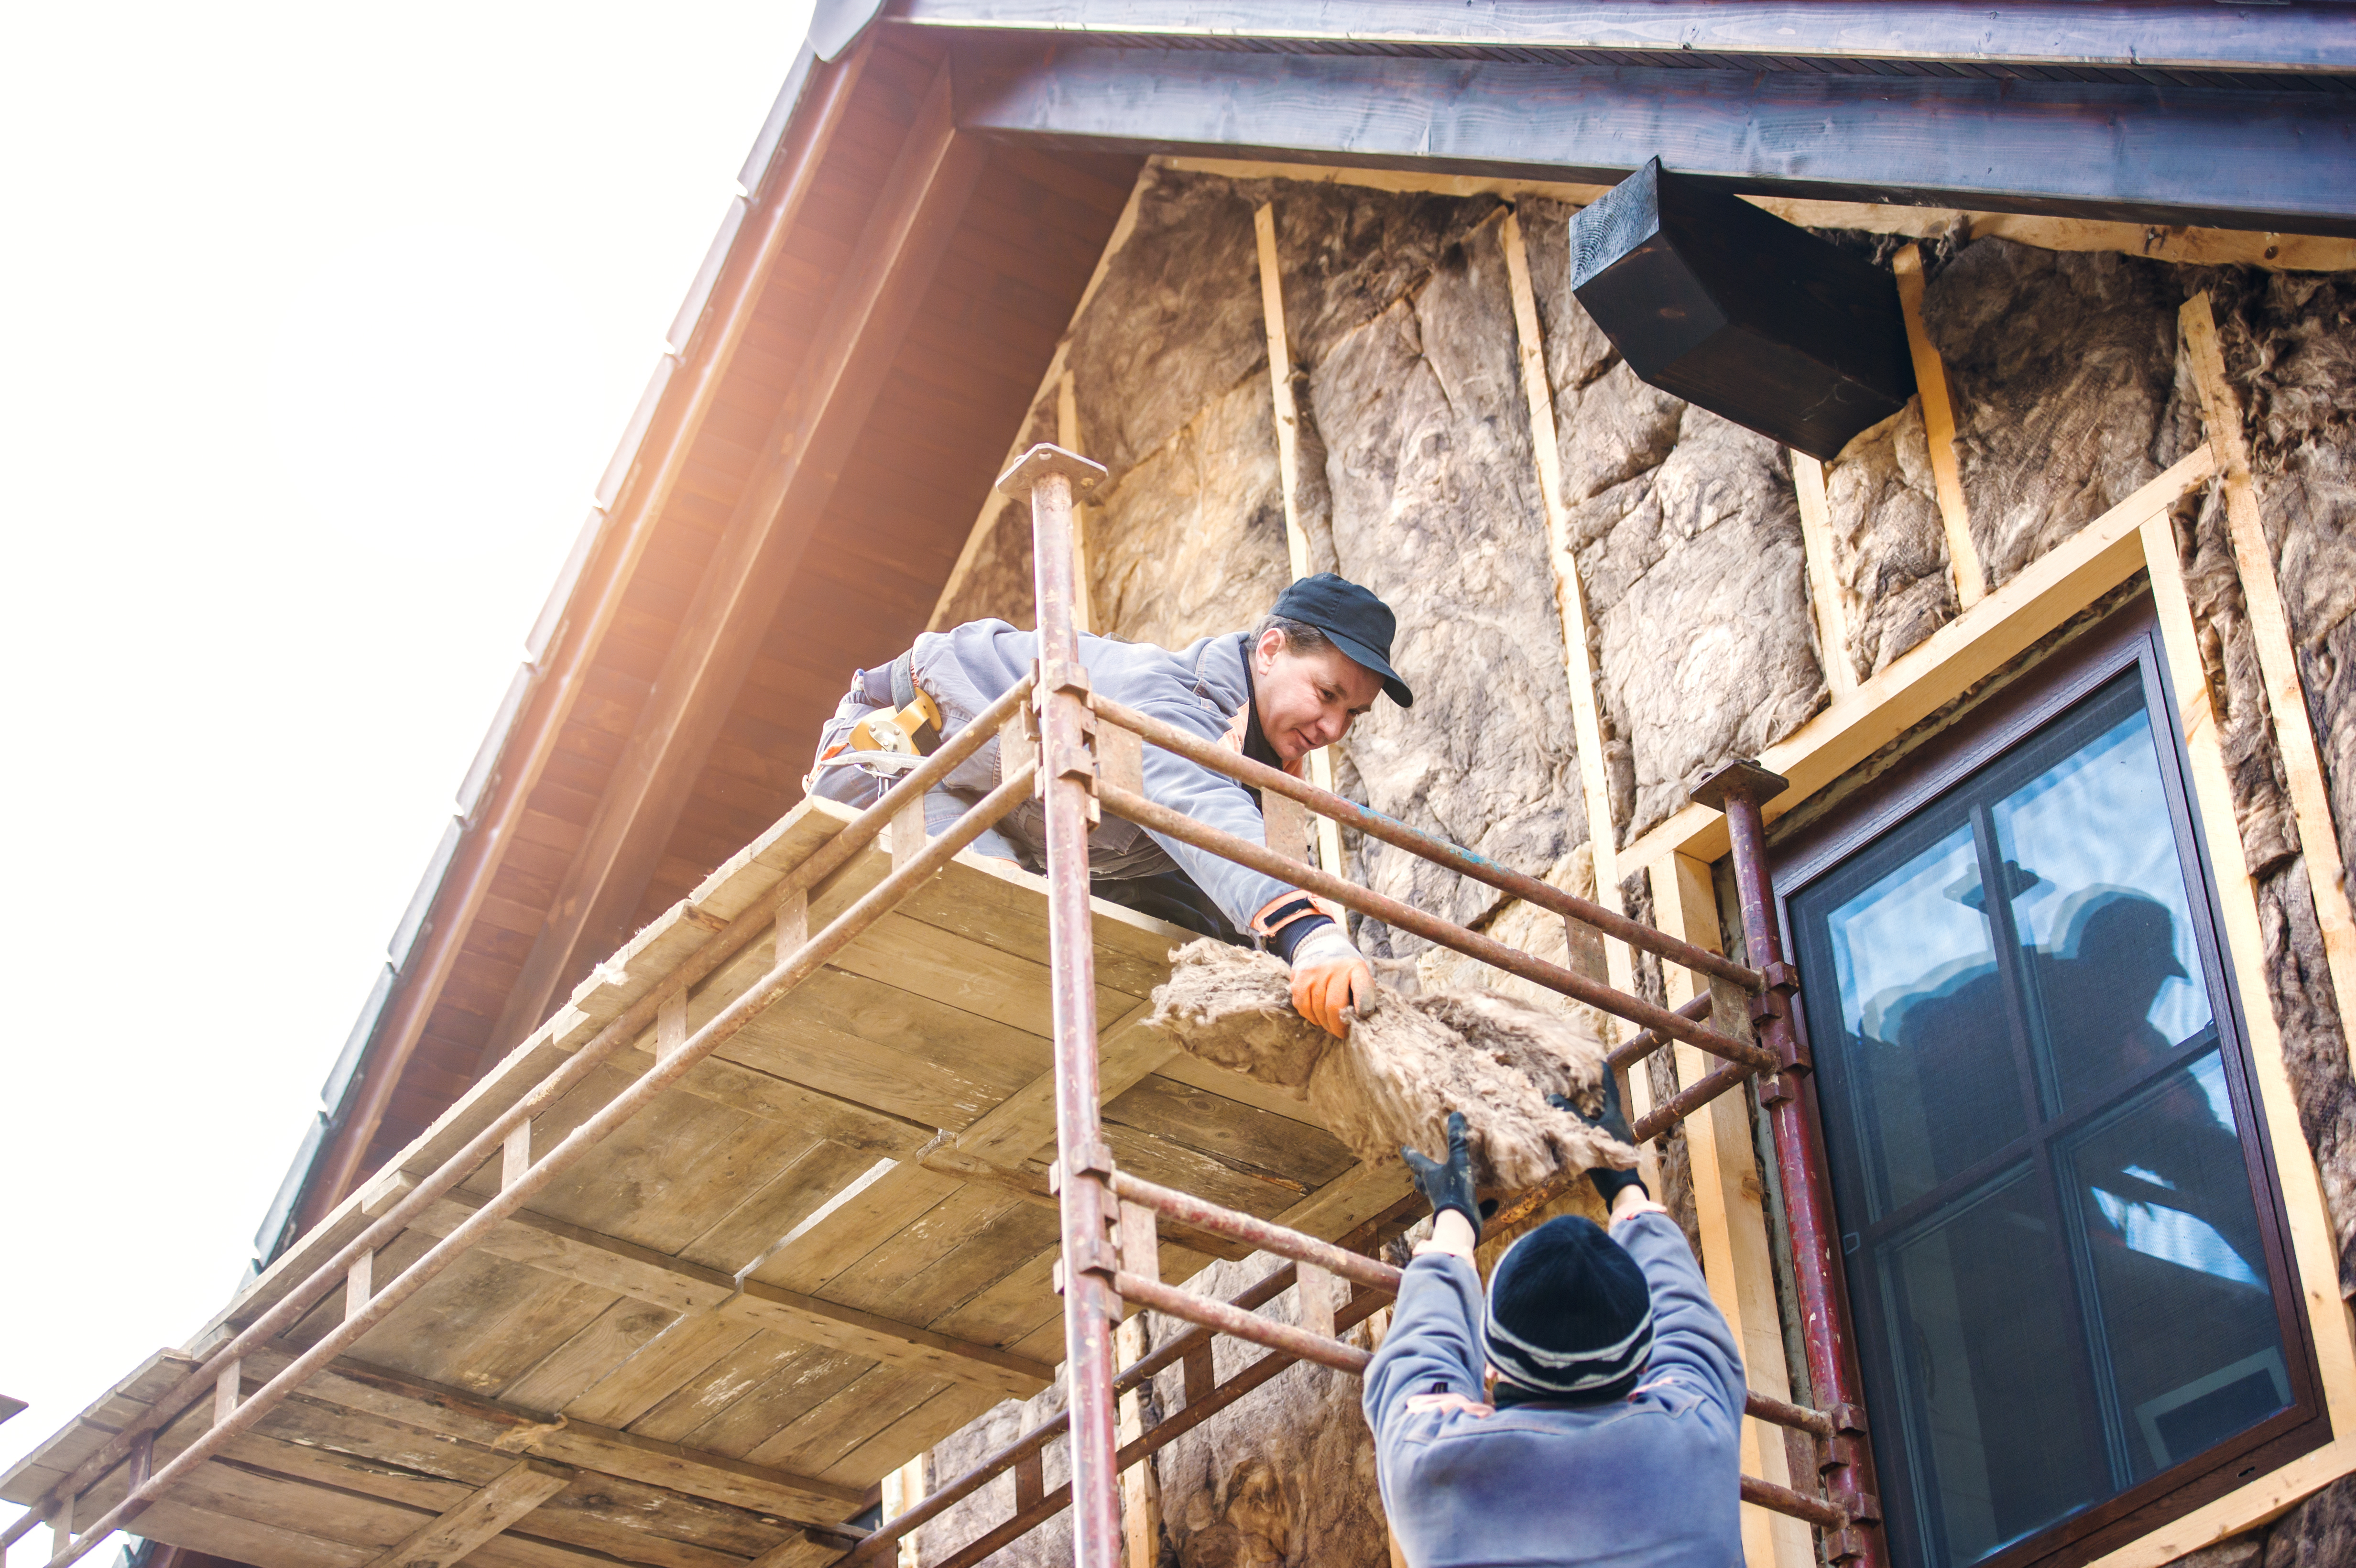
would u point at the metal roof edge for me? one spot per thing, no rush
(764, 152)
(835, 25)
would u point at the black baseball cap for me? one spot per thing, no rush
(1360, 624)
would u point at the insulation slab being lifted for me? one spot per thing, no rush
(1408, 1063)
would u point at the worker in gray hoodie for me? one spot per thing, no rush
(1296, 682)
(1611, 1431)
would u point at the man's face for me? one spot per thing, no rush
(1308, 699)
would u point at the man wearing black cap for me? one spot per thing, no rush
(1614, 1431)
(1277, 693)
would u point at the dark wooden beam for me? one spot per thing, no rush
(2137, 36)
(2146, 153)
(831, 396)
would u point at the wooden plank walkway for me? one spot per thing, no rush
(827, 1248)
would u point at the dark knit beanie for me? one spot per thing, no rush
(1570, 1316)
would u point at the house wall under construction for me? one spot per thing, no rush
(1724, 594)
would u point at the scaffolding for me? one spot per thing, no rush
(1083, 753)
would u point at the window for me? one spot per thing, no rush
(2062, 1246)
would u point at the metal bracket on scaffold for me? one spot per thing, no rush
(1050, 478)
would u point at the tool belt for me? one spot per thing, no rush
(909, 726)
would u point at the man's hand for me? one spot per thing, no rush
(1611, 1121)
(1447, 1185)
(1330, 975)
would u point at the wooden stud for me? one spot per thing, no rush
(902, 1490)
(1120, 756)
(906, 834)
(670, 1024)
(1939, 426)
(1320, 1293)
(1279, 381)
(1570, 599)
(2310, 795)
(1030, 1480)
(515, 1150)
(1285, 822)
(1823, 584)
(1736, 1258)
(1200, 1379)
(2299, 1183)
(1287, 414)
(359, 1283)
(1140, 1484)
(510, 1495)
(792, 928)
(1140, 1243)
(226, 1391)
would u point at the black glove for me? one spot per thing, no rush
(1447, 1184)
(1613, 1123)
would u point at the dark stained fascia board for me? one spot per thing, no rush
(2123, 35)
(2143, 153)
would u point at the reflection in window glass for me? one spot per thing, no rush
(2100, 904)
(2055, 1245)
(2163, 1219)
(1912, 955)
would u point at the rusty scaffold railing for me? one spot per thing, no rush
(1090, 755)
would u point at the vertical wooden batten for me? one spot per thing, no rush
(1824, 586)
(1570, 600)
(2310, 795)
(566, 665)
(1939, 425)
(1287, 414)
(831, 393)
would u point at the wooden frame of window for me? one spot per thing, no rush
(2127, 641)
(1866, 722)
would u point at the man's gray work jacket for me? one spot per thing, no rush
(1200, 688)
(1649, 1481)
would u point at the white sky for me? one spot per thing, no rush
(317, 326)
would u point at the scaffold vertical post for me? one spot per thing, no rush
(1738, 790)
(1050, 476)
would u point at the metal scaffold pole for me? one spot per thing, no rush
(1738, 790)
(1051, 477)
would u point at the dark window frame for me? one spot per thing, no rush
(2126, 639)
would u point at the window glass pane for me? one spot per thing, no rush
(2062, 1281)
(2098, 897)
(1930, 1073)
(1976, 1322)
(2169, 1234)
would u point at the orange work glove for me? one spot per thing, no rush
(1329, 975)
